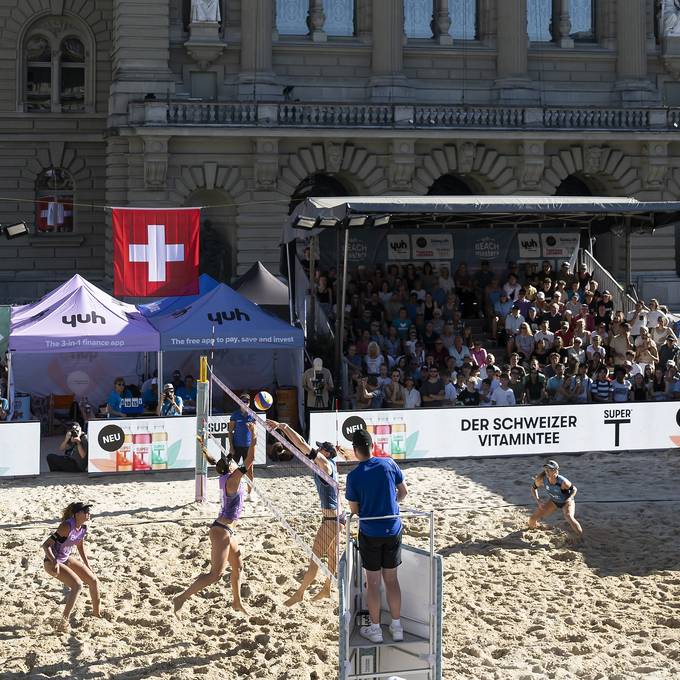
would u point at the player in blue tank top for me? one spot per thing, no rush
(224, 546)
(60, 563)
(560, 492)
(325, 542)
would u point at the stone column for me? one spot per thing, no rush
(487, 22)
(364, 11)
(388, 81)
(140, 64)
(606, 23)
(316, 20)
(256, 79)
(561, 23)
(631, 53)
(513, 83)
(441, 22)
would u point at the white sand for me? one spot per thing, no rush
(517, 604)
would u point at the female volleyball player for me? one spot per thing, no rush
(325, 542)
(560, 493)
(70, 571)
(224, 546)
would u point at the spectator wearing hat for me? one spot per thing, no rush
(375, 488)
(668, 351)
(170, 403)
(607, 301)
(583, 277)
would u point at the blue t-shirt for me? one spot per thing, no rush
(402, 326)
(187, 394)
(115, 401)
(242, 436)
(167, 408)
(373, 485)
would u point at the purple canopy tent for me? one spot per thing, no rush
(85, 323)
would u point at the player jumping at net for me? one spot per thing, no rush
(70, 571)
(560, 493)
(325, 542)
(224, 546)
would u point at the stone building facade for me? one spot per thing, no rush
(127, 102)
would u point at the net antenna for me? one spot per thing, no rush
(301, 519)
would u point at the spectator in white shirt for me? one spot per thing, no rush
(459, 351)
(654, 313)
(576, 351)
(637, 318)
(503, 394)
(511, 287)
(450, 392)
(513, 322)
(411, 394)
(543, 333)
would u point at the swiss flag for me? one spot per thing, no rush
(155, 252)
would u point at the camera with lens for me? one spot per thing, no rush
(74, 431)
(318, 383)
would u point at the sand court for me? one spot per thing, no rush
(517, 603)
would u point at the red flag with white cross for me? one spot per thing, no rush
(155, 252)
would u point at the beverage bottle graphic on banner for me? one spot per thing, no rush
(398, 438)
(124, 453)
(159, 448)
(389, 436)
(141, 459)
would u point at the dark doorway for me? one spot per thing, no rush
(450, 185)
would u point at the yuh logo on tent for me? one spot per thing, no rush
(234, 315)
(529, 244)
(400, 246)
(75, 319)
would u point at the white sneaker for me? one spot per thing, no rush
(372, 633)
(397, 632)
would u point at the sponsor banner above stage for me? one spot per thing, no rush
(142, 444)
(19, 449)
(496, 431)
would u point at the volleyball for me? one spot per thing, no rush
(263, 401)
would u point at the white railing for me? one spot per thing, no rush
(399, 116)
(621, 299)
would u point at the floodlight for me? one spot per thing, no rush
(329, 222)
(302, 222)
(15, 230)
(382, 220)
(357, 221)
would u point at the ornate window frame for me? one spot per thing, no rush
(56, 29)
(55, 204)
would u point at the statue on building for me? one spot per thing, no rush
(670, 18)
(205, 10)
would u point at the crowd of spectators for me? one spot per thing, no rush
(549, 337)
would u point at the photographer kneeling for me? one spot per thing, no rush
(170, 404)
(74, 447)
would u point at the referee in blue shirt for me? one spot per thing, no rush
(374, 489)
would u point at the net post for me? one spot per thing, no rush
(201, 427)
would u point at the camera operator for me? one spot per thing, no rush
(74, 447)
(170, 404)
(318, 383)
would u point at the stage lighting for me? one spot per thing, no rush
(357, 221)
(15, 230)
(302, 222)
(328, 222)
(382, 221)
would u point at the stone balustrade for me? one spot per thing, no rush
(398, 116)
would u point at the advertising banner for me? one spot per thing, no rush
(497, 431)
(529, 246)
(20, 449)
(398, 247)
(560, 245)
(432, 246)
(143, 444)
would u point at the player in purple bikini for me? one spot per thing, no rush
(70, 571)
(224, 546)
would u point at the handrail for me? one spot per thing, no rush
(622, 301)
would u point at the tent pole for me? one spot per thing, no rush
(291, 284)
(343, 298)
(628, 259)
(10, 391)
(202, 412)
(312, 285)
(159, 368)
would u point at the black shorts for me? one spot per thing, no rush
(239, 453)
(380, 552)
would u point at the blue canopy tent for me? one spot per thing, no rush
(235, 332)
(167, 305)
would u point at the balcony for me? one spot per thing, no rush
(397, 116)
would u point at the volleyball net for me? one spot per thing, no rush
(285, 480)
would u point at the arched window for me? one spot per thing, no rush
(450, 185)
(317, 185)
(573, 186)
(54, 201)
(57, 69)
